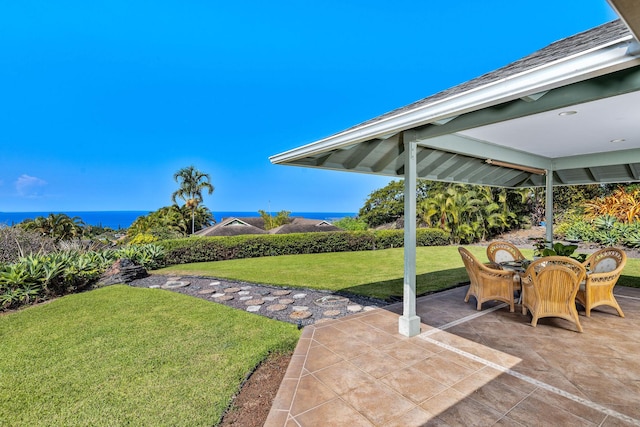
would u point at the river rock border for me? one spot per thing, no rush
(298, 306)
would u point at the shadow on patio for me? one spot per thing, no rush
(465, 368)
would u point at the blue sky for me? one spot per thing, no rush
(102, 101)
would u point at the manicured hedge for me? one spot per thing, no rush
(200, 249)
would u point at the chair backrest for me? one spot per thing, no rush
(556, 278)
(606, 260)
(503, 252)
(471, 263)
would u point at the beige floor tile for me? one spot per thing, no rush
(545, 414)
(309, 394)
(413, 384)
(343, 376)
(441, 368)
(377, 363)
(335, 413)
(320, 358)
(415, 417)
(294, 370)
(442, 401)
(276, 419)
(469, 412)
(377, 402)
(407, 351)
(285, 394)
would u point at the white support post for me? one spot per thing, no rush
(409, 323)
(548, 211)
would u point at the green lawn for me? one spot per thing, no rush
(373, 273)
(128, 356)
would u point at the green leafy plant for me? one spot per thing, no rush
(542, 249)
(560, 249)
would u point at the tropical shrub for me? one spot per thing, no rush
(623, 204)
(632, 236)
(470, 213)
(149, 256)
(182, 251)
(606, 230)
(351, 224)
(271, 221)
(143, 238)
(171, 222)
(36, 277)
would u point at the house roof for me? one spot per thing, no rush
(235, 226)
(256, 221)
(230, 227)
(569, 109)
(303, 228)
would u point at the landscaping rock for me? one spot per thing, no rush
(122, 271)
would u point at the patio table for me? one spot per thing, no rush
(518, 267)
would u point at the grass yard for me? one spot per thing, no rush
(128, 356)
(372, 273)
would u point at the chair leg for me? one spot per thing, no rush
(577, 321)
(615, 305)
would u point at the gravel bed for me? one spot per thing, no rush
(294, 305)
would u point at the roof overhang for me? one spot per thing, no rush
(575, 115)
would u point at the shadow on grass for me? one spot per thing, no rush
(427, 283)
(391, 290)
(630, 281)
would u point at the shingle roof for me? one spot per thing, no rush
(303, 228)
(231, 227)
(569, 46)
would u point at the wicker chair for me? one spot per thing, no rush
(604, 268)
(549, 288)
(487, 284)
(498, 252)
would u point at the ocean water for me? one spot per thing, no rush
(123, 219)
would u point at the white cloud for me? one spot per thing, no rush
(27, 186)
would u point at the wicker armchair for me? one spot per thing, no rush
(549, 288)
(498, 252)
(604, 268)
(487, 284)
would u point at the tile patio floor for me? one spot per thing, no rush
(466, 368)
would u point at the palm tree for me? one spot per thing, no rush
(192, 183)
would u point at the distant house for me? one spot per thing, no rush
(304, 225)
(232, 227)
(255, 225)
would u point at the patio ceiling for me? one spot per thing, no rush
(570, 108)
